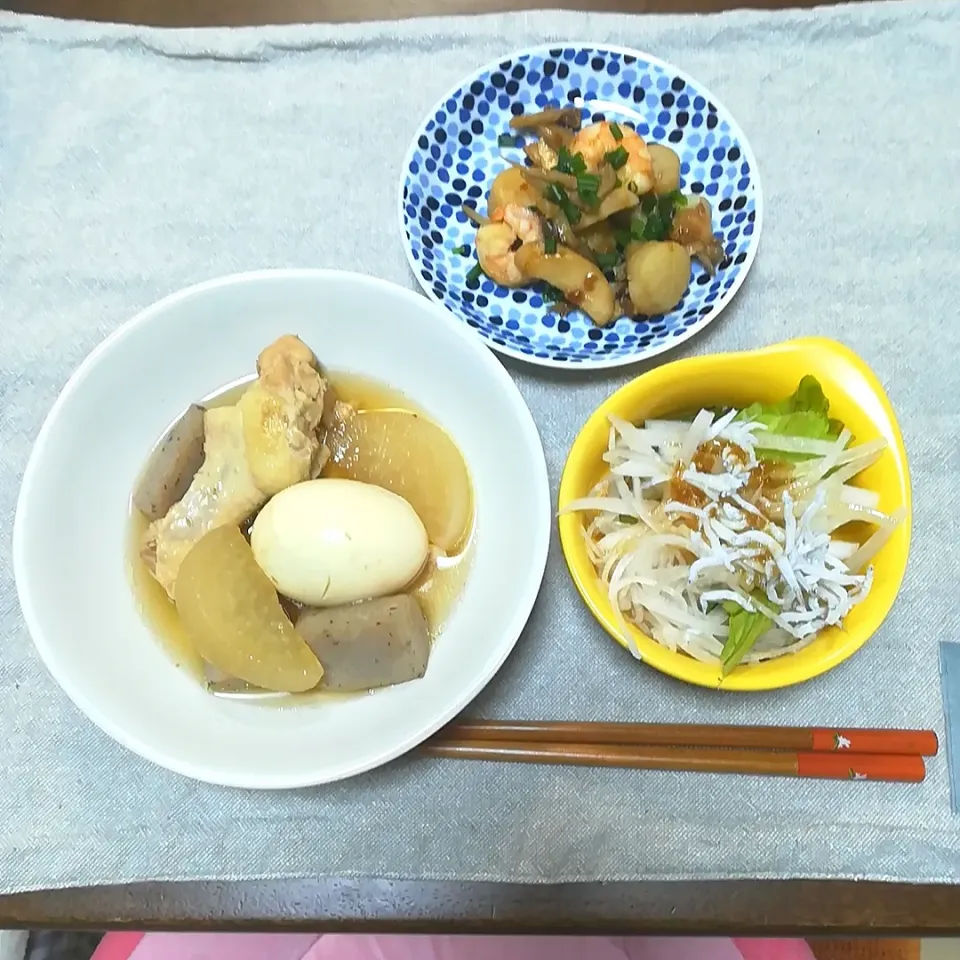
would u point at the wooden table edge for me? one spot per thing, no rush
(206, 13)
(733, 908)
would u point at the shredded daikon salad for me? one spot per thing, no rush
(723, 535)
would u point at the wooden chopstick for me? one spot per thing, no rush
(919, 743)
(778, 763)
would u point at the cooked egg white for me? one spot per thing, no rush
(330, 541)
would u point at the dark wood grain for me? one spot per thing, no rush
(184, 13)
(799, 908)
(785, 908)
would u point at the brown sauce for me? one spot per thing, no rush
(437, 587)
(765, 481)
(753, 521)
(679, 491)
(714, 454)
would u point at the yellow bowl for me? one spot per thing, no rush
(737, 379)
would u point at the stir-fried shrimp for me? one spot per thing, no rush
(595, 215)
(596, 142)
(498, 241)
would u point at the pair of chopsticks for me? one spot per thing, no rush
(853, 754)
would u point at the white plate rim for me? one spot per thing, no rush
(535, 567)
(607, 363)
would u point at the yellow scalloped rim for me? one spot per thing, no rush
(737, 379)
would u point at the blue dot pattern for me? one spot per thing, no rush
(455, 157)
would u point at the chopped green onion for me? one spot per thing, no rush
(617, 158)
(549, 241)
(626, 518)
(462, 250)
(474, 275)
(507, 140)
(666, 207)
(645, 228)
(587, 186)
(656, 228)
(655, 217)
(607, 261)
(616, 131)
(556, 194)
(570, 163)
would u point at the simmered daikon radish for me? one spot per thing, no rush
(407, 454)
(231, 611)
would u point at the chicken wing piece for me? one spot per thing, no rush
(264, 443)
(281, 414)
(222, 491)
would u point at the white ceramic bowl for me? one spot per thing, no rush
(71, 524)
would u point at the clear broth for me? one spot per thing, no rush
(436, 589)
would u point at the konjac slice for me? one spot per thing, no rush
(231, 612)
(412, 457)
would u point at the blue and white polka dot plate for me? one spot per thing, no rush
(455, 156)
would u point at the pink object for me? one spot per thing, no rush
(117, 946)
(205, 946)
(254, 946)
(774, 949)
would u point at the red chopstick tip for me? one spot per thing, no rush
(919, 743)
(862, 766)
